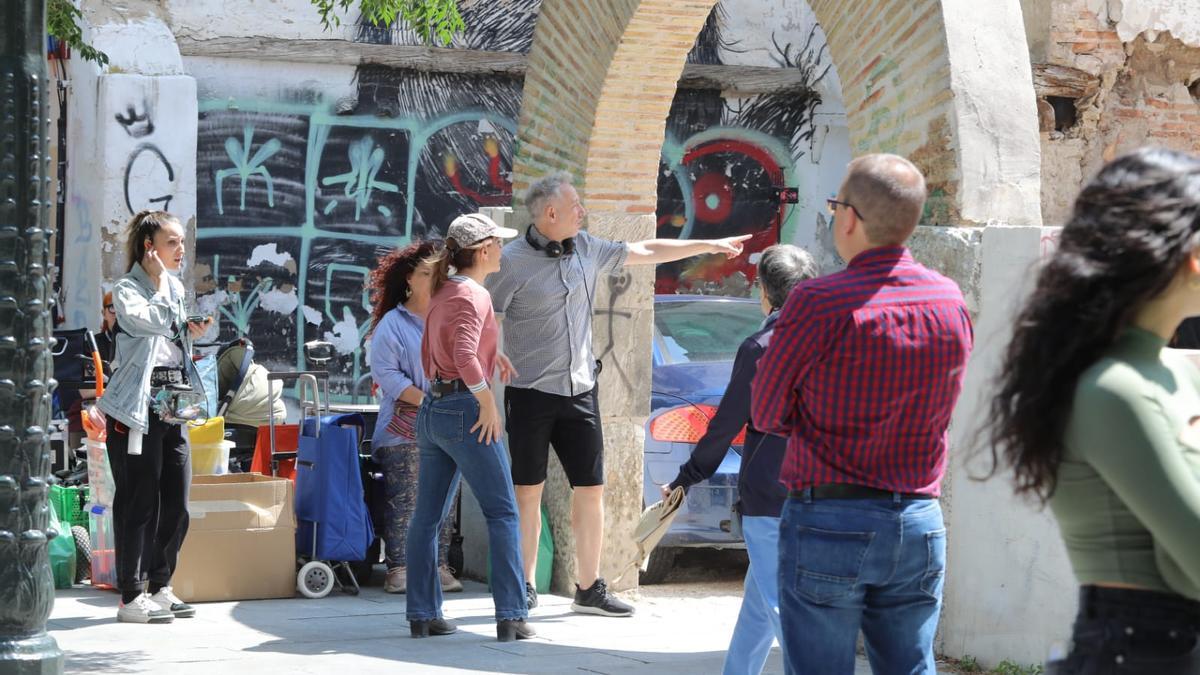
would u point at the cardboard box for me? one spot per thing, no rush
(241, 543)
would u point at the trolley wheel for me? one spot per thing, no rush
(315, 579)
(83, 553)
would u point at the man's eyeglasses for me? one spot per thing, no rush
(832, 204)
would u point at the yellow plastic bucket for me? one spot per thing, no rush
(209, 432)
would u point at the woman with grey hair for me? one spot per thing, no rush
(760, 495)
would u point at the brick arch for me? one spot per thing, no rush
(918, 79)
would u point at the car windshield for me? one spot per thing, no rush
(692, 331)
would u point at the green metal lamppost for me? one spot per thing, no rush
(26, 369)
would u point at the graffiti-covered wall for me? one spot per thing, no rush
(305, 175)
(297, 202)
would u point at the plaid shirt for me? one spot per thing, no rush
(862, 374)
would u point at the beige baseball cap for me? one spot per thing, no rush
(470, 229)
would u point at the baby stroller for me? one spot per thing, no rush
(245, 400)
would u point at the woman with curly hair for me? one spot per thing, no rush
(401, 286)
(1097, 419)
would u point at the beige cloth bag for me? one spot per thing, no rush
(655, 522)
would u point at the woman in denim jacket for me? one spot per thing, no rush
(150, 461)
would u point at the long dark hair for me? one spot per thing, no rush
(142, 226)
(388, 283)
(452, 256)
(1131, 231)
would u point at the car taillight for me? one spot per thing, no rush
(687, 424)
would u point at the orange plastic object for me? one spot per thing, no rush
(94, 433)
(287, 439)
(99, 373)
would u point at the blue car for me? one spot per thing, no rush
(695, 340)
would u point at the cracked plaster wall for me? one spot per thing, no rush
(1144, 58)
(131, 145)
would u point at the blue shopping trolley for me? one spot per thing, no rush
(334, 526)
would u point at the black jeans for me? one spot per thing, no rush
(150, 516)
(1126, 631)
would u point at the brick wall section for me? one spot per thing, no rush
(573, 47)
(1144, 100)
(1081, 38)
(895, 75)
(622, 159)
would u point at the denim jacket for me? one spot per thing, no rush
(146, 319)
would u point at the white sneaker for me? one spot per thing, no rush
(144, 610)
(167, 599)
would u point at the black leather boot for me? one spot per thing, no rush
(508, 630)
(422, 629)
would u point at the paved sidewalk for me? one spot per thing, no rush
(368, 634)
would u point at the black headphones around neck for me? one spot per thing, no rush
(553, 249)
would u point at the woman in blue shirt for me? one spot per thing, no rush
(401, 286)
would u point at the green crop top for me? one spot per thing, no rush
(1128, 496)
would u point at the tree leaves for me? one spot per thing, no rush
(62, 22)
(431, 19)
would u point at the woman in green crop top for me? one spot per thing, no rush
(1099, 421)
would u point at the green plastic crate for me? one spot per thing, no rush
(68, 503)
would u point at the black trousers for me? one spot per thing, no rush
(150, 516)
(1126, 631)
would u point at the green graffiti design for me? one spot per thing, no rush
(237, 308)
(366, 159)
(245, 166)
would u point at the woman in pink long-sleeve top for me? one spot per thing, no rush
(458, 432)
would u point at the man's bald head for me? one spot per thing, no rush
(888, 192)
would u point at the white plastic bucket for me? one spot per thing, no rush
(211, 459)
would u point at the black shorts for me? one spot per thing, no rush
(536, 420)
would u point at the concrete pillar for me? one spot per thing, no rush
(1010, 593)
(131, 145)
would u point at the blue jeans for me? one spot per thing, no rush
(447, 448)
(874, 564)
(758, 622)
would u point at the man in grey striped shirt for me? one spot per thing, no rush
(545, 290)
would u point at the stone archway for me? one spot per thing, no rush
(918, 79)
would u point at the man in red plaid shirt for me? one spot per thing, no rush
(862, 374)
